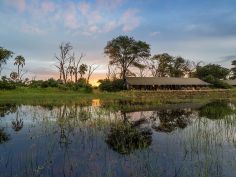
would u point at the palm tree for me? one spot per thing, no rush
(19, 61)
(14, 76)
(71, 71)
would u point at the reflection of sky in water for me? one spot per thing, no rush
(72, 141)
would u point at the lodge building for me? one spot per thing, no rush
(165, 83)
(231, 82)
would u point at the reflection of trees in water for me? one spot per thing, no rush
(68, 118)
(4, 137)
(216, 110)
(17, 124)
(125, 138)
(6, 109)
(169, 120)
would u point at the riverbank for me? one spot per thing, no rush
(57, 97)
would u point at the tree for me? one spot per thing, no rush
(179, 68)
(83, 68)
(233, 70)
(91, 69)
(141, 68)
(4, 56)
(213, 74)
(19, 61)
(71, 72)
(124, 51)
(217, 71)
(78, 69)
(14, 76)
(161, 65)
(64, 60)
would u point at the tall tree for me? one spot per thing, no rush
(91, 69)
(164, 62)
(71, 72)
(124, 51)
(180, 67)
(4, 56)
(233, 70)
(14, 76)
(213, 70)
(83, 68)
(76, 66)
(64, 60)
(20, 62)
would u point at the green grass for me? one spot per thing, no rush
(54, 96)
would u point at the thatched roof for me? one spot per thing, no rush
(231, 82)
(164, 81)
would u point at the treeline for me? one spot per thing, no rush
(129, 57)
(73, 74)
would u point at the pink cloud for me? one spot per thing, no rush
(130, 20)
(48, 6)
(18, 4)
(110, 4)
(84, 8)
(70, 18)
(30, 29)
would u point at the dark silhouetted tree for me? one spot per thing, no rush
(124, 51)
(4, 56)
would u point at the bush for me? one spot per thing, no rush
(50, 83)
(7, 85)
(111, 86)
(216, 82)
(35, 84)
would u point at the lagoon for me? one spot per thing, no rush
(100, 140)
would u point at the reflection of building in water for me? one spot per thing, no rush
(162, 120)
(96, 102)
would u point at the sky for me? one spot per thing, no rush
(202, 30)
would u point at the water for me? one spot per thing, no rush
(71, 140)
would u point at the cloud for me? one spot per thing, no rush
(227, 58)
(20, 5)
(130, 20)
(30, 29)
(48, 6)
(84, 8)
(110, 4)
(110, 26)
(77, 17)
(155, 33)
(70, 18)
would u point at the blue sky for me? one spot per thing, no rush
(198, 30)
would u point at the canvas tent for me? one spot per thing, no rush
(154, 83)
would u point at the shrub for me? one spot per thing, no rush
(216, 82)
(7, 85)
(35, 84)
(111, 86)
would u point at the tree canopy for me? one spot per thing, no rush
(4, 56)
(217, 71)
(233, 70)
(125, 52)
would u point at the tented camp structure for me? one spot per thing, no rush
(231, 82)
(165, 83)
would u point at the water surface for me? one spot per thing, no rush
(72, 140)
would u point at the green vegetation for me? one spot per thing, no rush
(57, 96)
(124, 138)
(216, 110)
(127, 57)
(124, 52)
(213, 74)
(111, 85)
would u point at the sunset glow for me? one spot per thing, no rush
(197, 30)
